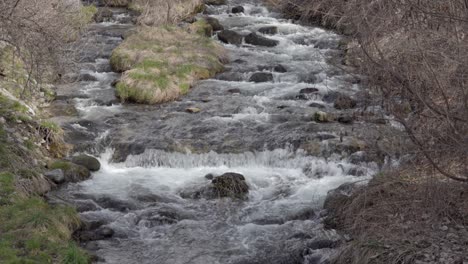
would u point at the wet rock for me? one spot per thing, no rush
(308, 90)
(105, 232)
(209, 176)
(85, 206)
(193, 110)
(56, 176)
(322, 117)
(86, 77)
(237, 9)
(234, 91)
(317, 105)
(230, 76)
(258, 40)
(89, 162)
(344, 102)
(345, 119)
(214, 23)
(230, 184)
(215, 2)
(259, 77)
(104, 14)
(301, 236)
(305, 214)
(72, 172)
(356, 172)
(270, 30)
(323, 243)
(230, 37)
(280, 68)
(303, 97)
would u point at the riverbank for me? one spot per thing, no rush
(415, 213)
(31, 230)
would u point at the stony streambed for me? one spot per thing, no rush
(281, 116)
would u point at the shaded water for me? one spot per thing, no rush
(154, 158)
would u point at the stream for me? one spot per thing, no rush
(155, 158)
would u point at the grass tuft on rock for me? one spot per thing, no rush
(162, 63)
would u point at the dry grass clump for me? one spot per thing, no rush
(405, 217)
(162, 63)
(165, 12)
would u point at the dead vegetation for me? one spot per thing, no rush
(403, 216)
(412, 53)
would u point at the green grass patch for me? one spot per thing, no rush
(162, 63)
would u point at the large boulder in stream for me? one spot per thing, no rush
(89, 162)
(230, 184)
(230, 37)
(258, 40)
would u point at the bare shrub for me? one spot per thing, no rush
(414, 54)
(39, 30)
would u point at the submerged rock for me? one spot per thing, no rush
(270, 30)
(258, 40)
(230, 37)
(89, 162)
(259, 77)
(308, 90)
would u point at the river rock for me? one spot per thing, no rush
(280, 68)
(259, 77)
(258, 40)
(317, 105)
(230, 37)
(234, 91)
(56, 176)
(344, 102)
(237, 9)
(193, 110)
(214, 23)
(105, 232)
(89, 162)
(230, 184)
(270, 30)
(215, 2)
(322, 243)
(72, 172)
(345, 119)
(308, 90)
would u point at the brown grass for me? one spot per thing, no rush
(404, 217)
(162, 63)
(165, 12)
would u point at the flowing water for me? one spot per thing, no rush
(155, 158)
